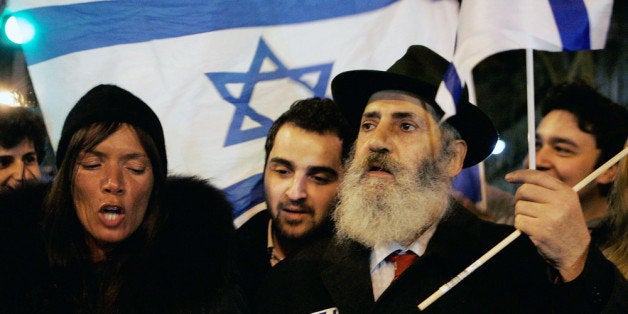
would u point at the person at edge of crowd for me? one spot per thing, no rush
(579, 131)
(305, 149)
(395, 205)
(22, 146)
(615, 244)
(117, 234)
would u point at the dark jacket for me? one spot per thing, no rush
(517, 280)
(253, 257)
(189, 269)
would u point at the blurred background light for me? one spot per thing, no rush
(499, 147)
(8, 98)
(18, 30)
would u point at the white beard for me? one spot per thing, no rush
(374, 211)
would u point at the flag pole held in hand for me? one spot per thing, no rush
(514, 235)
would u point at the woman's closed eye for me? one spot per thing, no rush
(136, 167)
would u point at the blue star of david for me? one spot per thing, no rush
(236, 134)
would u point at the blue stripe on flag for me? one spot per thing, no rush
(245, 194)
(452, 82)
(107, 23)
(573, 24)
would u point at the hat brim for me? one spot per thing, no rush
(351, 90)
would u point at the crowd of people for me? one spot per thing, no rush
(360, 215)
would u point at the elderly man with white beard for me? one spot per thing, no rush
(400, 236)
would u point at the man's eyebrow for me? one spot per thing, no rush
(281, 161)
(372, 114)
(562, 140)
(557, 140)
(403, 115)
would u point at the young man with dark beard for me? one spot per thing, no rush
(305, 150)
(395, 208)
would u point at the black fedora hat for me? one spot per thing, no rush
(418, 72)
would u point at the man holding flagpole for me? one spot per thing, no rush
(400, 236)
(580, 130)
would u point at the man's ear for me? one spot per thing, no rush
(459, 149)
(608, 176)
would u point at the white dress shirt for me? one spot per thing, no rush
(383, 271)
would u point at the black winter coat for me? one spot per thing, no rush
(335, 276)
(189, 269)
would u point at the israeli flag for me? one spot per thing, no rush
(487, 27)
(218, 73)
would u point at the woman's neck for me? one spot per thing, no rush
(98, 250)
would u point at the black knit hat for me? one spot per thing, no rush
(110, 103)
(419, 72)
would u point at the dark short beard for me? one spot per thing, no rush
(290, 243)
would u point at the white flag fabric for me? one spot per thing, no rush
(487, 27)
(217, 73)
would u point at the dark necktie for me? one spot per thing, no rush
(402, 261)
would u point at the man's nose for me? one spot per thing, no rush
(18, 170)
(297, 190)
(379, 140)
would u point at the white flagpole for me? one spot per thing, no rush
(514, 235)
(530, 105)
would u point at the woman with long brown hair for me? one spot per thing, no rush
(114, 233)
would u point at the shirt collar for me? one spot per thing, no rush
(273, 255)
(269, 237)
(380, 252)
